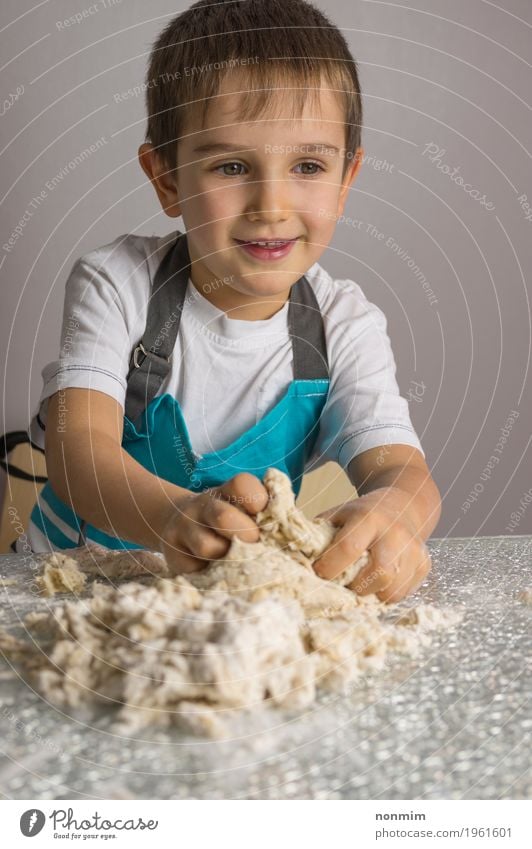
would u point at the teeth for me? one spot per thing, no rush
(268, 244)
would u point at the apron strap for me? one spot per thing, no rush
(150, 359)
(149, 364)
(305, 326)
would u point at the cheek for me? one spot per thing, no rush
(320, 225)
(323, 207)
(216, 207)
(209, 217)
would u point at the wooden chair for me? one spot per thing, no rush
(20, 495)
(323, 488)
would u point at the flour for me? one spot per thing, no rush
(256, 628)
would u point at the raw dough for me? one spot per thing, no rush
(429, 618)
(59, 575)
(285, 526)
(256, 627)
(97, 561)
(254, 571)
(526, 596)
(8, 582)
(63, 573)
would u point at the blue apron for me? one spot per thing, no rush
(155, 432)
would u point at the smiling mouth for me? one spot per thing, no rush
(269, 243)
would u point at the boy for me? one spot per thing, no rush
(193, 362)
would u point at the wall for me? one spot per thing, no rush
(444, 87)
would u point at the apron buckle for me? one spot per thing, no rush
(140, 348)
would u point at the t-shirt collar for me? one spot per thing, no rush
(221, 324)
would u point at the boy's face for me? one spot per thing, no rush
(278, 179)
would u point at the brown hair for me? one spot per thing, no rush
(281, 44)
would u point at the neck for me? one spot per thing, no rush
(238, 305)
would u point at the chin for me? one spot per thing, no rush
(266, 290)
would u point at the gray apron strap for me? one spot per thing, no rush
(305, 326)
(150, 359)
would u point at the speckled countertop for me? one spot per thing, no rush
(453, 724)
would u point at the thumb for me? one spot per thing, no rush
(334, 515)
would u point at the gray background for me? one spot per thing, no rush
(455, 75)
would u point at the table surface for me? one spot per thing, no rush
(453, 724)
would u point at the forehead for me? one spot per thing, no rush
(321, 116)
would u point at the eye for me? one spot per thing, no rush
(230, 168)
(312, 164)
(230, 165)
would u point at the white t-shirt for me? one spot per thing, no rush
(227, 373)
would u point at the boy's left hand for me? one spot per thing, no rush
(381, 523)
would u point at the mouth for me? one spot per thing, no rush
(267, 248)
(266, 242)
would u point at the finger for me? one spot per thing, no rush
(180, 560)
(229, 521)
(397, 589)
(414, 567)
(381, 572)
(205, 543)
(368, 578)
(337, 515)
(349, 543)
(373, 579)
(246, 492)
(420, 575)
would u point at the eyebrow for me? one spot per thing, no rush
(225, 147)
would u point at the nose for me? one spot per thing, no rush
(268, 200)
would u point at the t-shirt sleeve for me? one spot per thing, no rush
(95, 342)
(364, 408)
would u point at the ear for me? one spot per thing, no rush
(349, 178)
(162, 180)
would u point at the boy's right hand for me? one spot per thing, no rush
(199, 526)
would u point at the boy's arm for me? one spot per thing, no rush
(398, 508)
(404, 468)
(91, 472)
